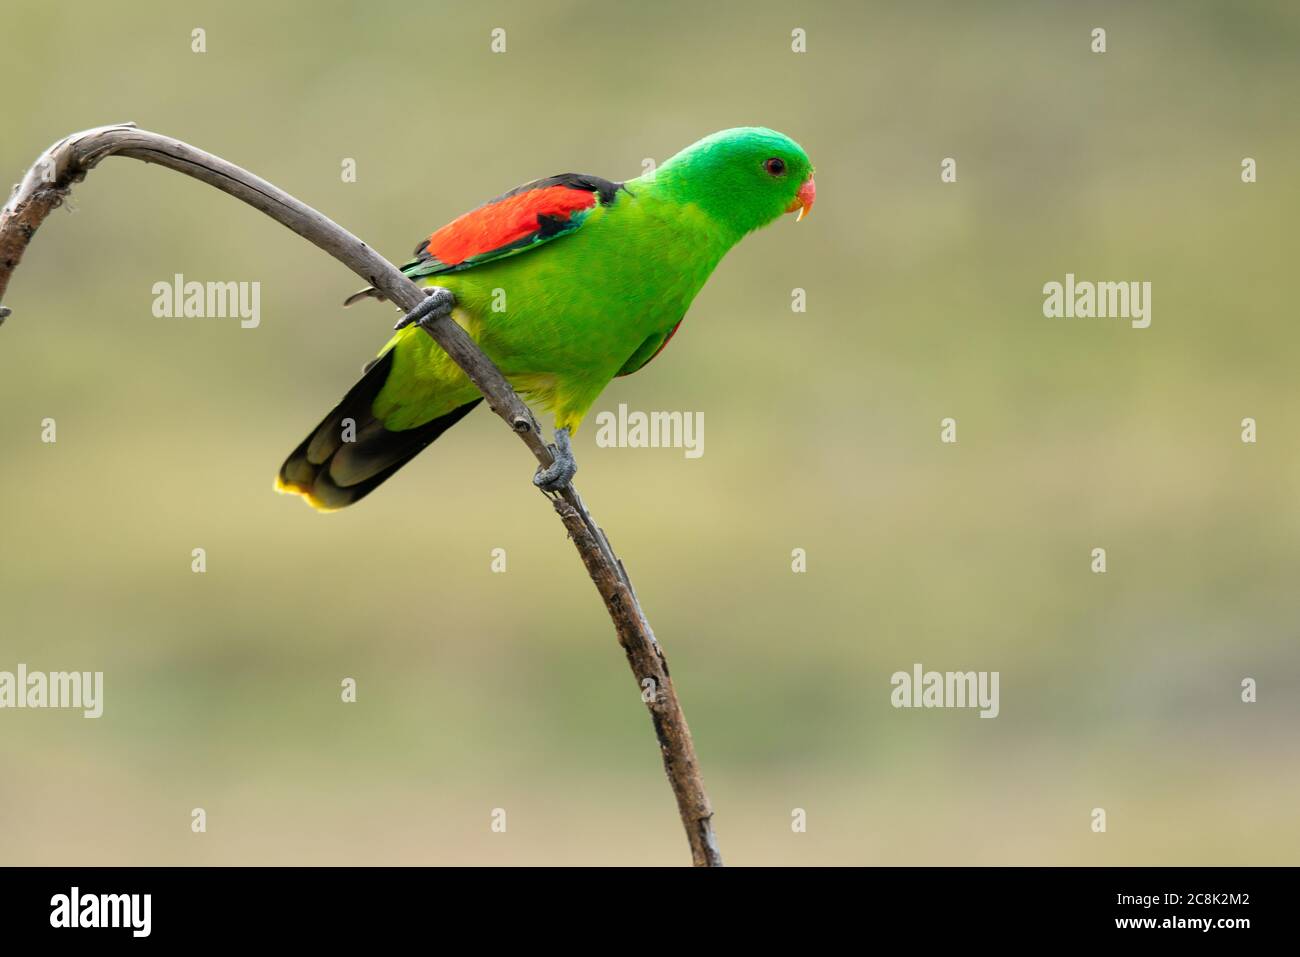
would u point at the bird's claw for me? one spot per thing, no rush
(438, 302)
(561, 471)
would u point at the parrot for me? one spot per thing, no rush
(565, 283)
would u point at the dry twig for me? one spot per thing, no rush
(68, 161)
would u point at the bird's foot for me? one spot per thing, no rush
(438, 302)
(560, 472)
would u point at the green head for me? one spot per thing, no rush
(744, 178)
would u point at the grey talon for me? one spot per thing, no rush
(438, 302)
(560, 472)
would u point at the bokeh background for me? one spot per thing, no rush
(481, 690)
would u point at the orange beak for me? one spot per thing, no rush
(803, 200)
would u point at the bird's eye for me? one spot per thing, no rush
(775, 166)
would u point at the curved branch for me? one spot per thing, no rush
(68, 161)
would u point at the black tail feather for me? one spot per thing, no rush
(331, 472)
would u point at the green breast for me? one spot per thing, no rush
(583, 304)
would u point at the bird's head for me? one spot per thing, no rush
(745, 177)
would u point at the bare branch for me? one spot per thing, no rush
(67, 162)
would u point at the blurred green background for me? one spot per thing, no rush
(481, 690)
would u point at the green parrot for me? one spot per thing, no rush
(565, 283)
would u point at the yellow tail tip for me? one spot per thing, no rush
(286, 488)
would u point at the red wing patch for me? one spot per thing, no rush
(508, 221)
